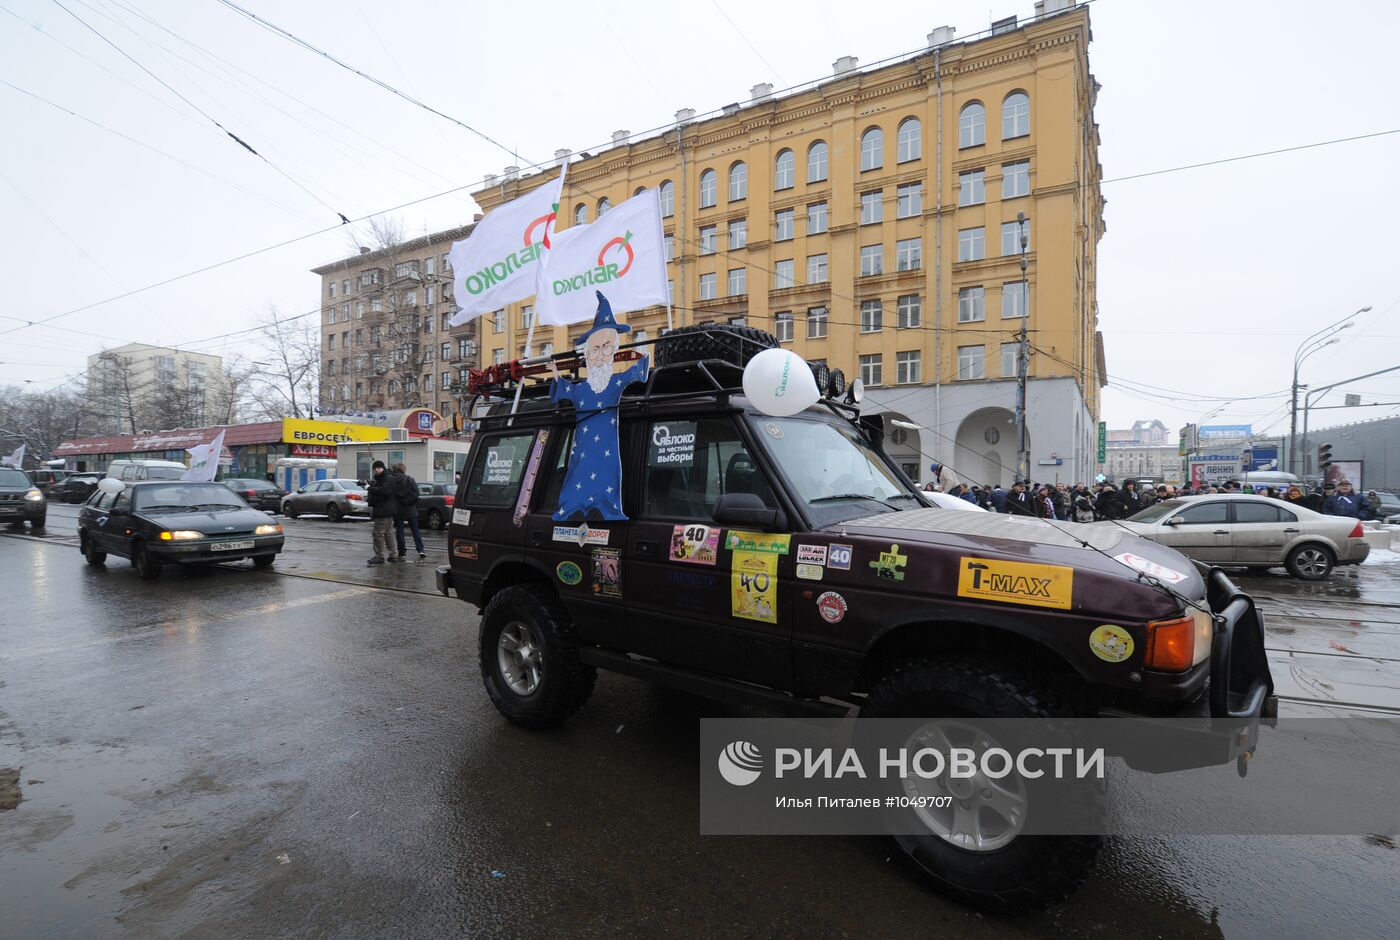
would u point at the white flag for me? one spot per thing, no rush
(499, 262)
(204, 460)
(15, 459)
(623, 254)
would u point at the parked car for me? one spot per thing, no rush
(1253, 532)
(175, 522)
(75, 488)
(260, 494)
(335, 499)
(435, 505)
(1388, 507)
(20, 500)
(45, 479)
(142, 469)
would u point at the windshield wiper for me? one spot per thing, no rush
(873, 499)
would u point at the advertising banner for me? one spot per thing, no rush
(325, 433)
(1214, 469)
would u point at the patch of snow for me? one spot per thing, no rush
(1382, 556)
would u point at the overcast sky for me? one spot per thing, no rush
(1209, 277)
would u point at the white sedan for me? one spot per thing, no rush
(1253, 532)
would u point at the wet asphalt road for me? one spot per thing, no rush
(309, 752)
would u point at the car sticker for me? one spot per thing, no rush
(773, 431)
(1111, 643)
(695, 544)
(1014, 582)
(569, 573)
(810, 572)
(832, 607)
(465, 550)
(888, 565)
(839, 556)
(532, 470)
(461, 516)
(811, 554)
(757, 542)
(1157, 571)
(581, 535)
(754, 586)
(607, 572)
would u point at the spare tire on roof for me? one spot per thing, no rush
(732, 344)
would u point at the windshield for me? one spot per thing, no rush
(1157, 510)
(185, 496)
(164, 473)
(241, 484)
(9, 476)
(833, 470)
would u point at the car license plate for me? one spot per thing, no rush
(231, 546)
(9, 509)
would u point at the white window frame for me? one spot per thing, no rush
(784, 225)
(1016, 115)
(909, 200)
(872, 370)
(972, 359)
(1011, 237)
(972, 188)
(972, 304)
(1012, 173)
(820, 212)
(783, 324)
(1015, 299)
(667, 192)
(909, 254)
(818, 162)
(909, 144)
(972, 125)
(909, 311)
(872, 207)
(709, 280)
(784, 274)
(709, 239)
(738, 233)
(737, 283)
(872, 315)
(872, 149)
(818, 268)
(709, 189)
(908, 367)
(738, 181)
(784, 171)
(818, 321)
(872, 260)
(972, 243)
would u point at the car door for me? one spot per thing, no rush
(691, 601)
(1200, 531)
(1260, 531)
(307, 494)
(116, 531)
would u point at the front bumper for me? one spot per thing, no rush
(202, 551)
(21, 510)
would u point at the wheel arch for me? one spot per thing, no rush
(508, 573)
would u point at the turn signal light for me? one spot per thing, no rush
(1178, 644)
(449, 499)
(355, 496)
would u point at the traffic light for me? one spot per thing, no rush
(1324, 457)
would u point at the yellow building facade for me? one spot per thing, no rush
(871, 221)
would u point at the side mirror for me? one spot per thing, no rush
(746, 509)
(1173, 521)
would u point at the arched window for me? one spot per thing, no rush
(909, 143)
(668, 199)
(580, 214)
(639, 190)
(709, 189)
(972, 125)
(604, 205)
(872, 149)
(738, 181)
(1016, 115)
(816, 162)
(784, 170)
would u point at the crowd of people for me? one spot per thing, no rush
(1078, 502)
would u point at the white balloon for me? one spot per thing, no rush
(110, 485)
(780, 383)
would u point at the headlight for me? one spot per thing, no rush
(268, 530)
(181, 535)
(34, 496)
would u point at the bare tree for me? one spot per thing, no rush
(122, 389)
(42, 420)
(287, 369)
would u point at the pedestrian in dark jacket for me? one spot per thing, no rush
(406, 489)
(1345, 503)
(1129, 498)
(1018, 501)
(381, 494)
(1315, 501)
(1108, 505)
(998, 499)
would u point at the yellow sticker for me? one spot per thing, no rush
(1014, 582)
(754, 586)
(1111, 644)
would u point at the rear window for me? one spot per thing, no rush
(496, 472)
(163, 473)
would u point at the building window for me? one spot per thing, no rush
(909, 311)
(872, 370)
(872, 149)
(463, 348)
(817, 269)
(1011, 235)
(738, 233)
(784, 226)
(784, 275)
(738, 282)
(359, 337)
(446, 381)
(709, 236)
(972, 125)
(909, 141)
(971, 362)
(785, 170)
(816, 218)
(709, 189)
(344, 340)
(410, 300)
(498, 356)
(971, 188)
(872, 316)
(909, 254)
(907, 367)
(376, 305)
(548, 348)
(909, 200)
(332, 288)
(1015, 179)
(604, 205)
(872, 260)
(446, 263)
(406, 269)
(816, 322)
(527, 316)
(345, 314)
(872, 207)
(330, 367)
(668, 199)
(782, 326)
(1008, 359)
(738, 321)
(374, 334)
(430, 294)
(816, 162)
(427, 324)
(428, 354)
(360, 310)
(972, 244)
(498, 321)
(430, 265)
(669, 243)
(738, 181)
(1015, 115)
(446, 321)
(972, 305)
(580, 214)
(709, 284)
(1015, 300)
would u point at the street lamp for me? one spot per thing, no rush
(1323, 337)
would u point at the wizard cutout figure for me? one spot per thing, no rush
(594, 480)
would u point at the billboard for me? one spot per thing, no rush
(325, 433)
(1349, 470)
(1222, 432)
(1263, 458)
(1214, 469)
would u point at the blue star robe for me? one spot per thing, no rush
(594, 480)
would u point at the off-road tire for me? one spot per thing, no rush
(94, 557)
(1310, 562)
(264, 561)
(334, 512)
(436, 520)
(732, 344)
(146, 566)
(1032, 871)
(565, 682)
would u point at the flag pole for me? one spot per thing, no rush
(534, 317)
(520, 386)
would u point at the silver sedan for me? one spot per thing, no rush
(336, 499)
(1253, 532)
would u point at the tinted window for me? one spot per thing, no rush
(1257, 512)
(496, 472)
(185, 494)
(12, 477)
(690, 464)
(1206, 514)
(122, 501)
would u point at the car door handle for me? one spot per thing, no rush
(646, 549)
(1291, 531)
(1222, 531)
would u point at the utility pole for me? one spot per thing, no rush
(1023, 358)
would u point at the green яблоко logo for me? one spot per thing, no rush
(569, 573)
